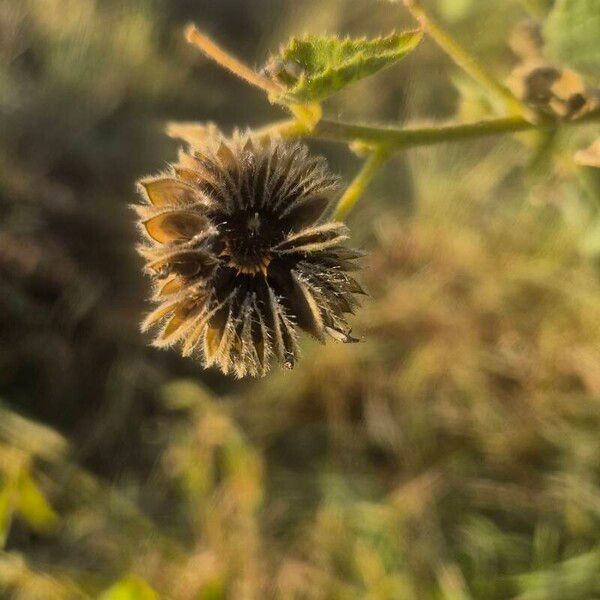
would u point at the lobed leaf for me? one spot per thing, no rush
(315, 67)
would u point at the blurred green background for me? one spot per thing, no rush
(454, 454)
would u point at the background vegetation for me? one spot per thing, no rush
(454, 454)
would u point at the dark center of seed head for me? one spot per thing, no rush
(247, 243)
(253, 224)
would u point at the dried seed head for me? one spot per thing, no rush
(240, 254)
(552, 90)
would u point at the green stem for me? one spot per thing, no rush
(355, 190)
(395, 138)
(467, 62)
(287, 129)
(307, 115)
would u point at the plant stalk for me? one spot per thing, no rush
(467, 62)
(229, 62)
(395, 138)
(355, 190)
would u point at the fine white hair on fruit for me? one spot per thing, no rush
(242, 255)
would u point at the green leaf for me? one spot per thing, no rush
(572, 34)
(129, 588)
(315, 67)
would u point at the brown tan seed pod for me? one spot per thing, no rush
(241, 256)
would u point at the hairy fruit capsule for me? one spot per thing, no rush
(242, 256)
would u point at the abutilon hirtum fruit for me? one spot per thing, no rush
(242, 256)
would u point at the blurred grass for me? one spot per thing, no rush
(453, 454)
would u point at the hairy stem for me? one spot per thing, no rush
(467, 61)
(229, 62)
(395, 138)
(355, 190)
(306, 114)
